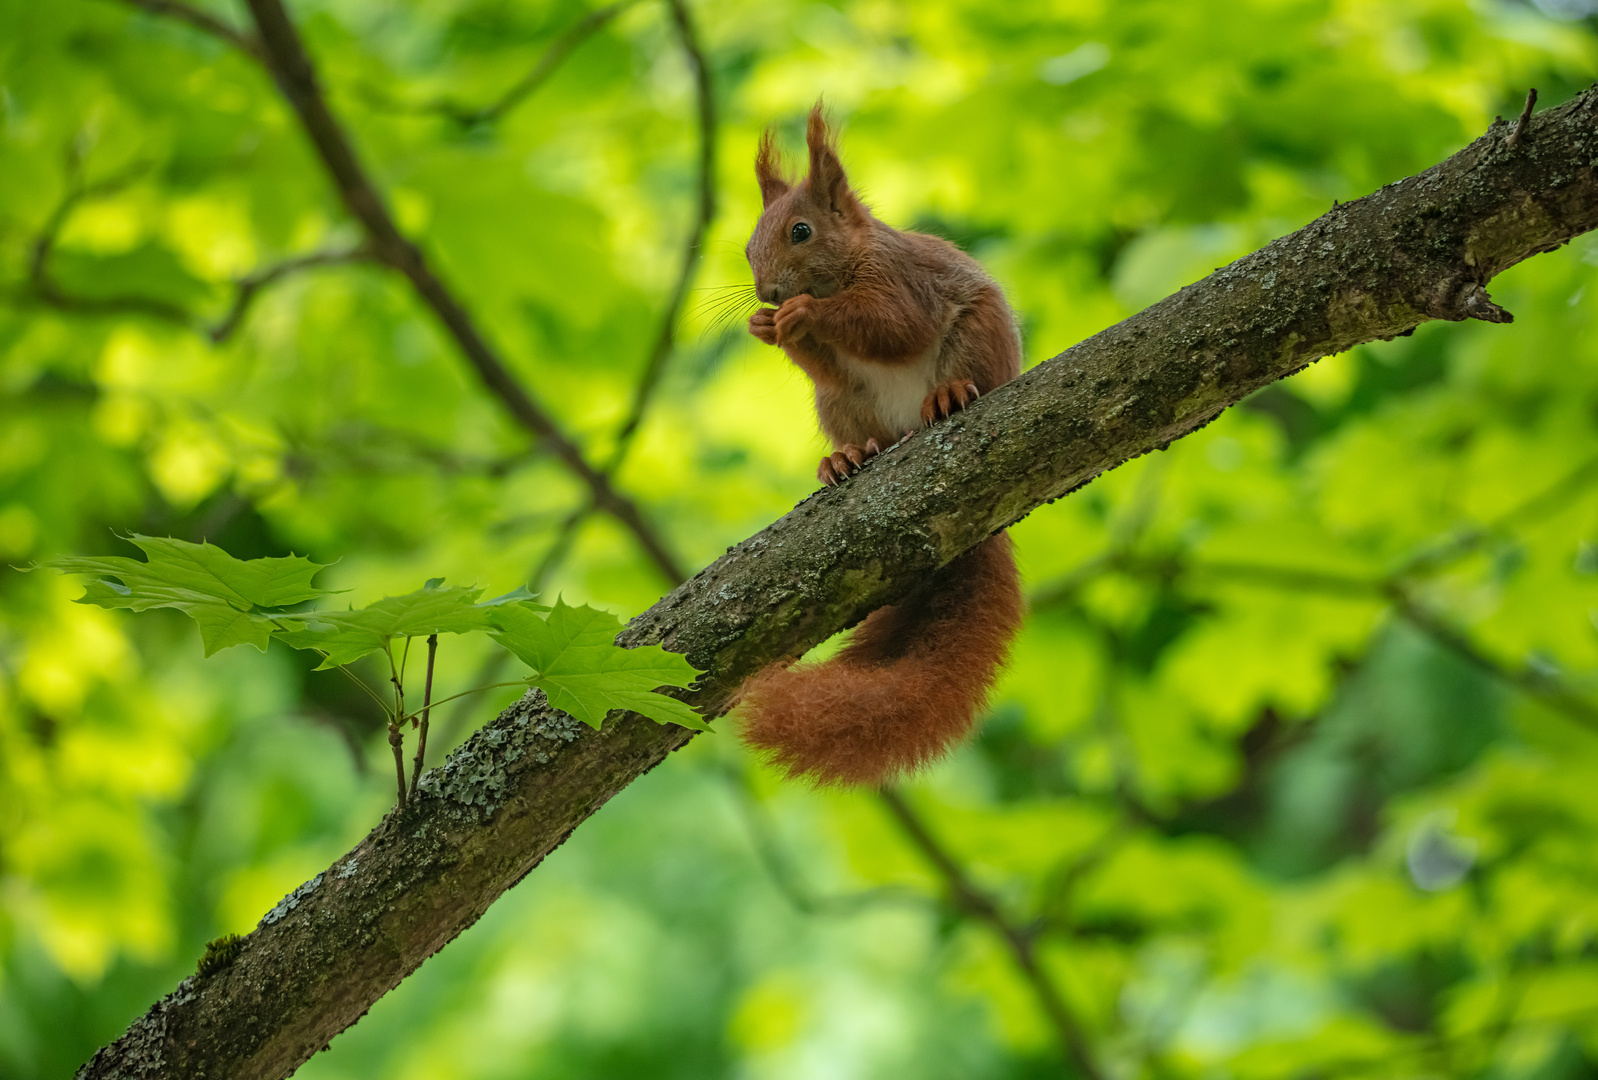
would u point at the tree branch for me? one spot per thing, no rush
(666, 340)
(542, 69)
(44, 288)
(284, 56)
(278, 47)
(787, 880)
(248, 286)
(1418, 249)
(1019, 940)
(203, 21)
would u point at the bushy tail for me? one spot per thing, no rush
(906, 687)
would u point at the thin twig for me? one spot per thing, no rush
(1525, 118)
(201, 20)
(1397, 590)
(396, 721)
(780, 869)
(979, 905)
(427, 708)
(666, 338)
(417, 715)
(1550, 500)
(1396, 587)
(248, 286)
(43, 287)
(47, 290)
(1534, 682)
(563, 46)
(396, 740)
(283, 53)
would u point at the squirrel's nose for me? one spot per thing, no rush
(772, 294)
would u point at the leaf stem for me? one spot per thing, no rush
(396, 723)
(348, 674)
(466, 693)
(427, 707)
(358, 681)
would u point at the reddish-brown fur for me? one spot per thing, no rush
(906, 688)
(896, 330)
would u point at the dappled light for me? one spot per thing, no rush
(409, 342)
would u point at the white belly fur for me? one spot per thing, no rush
(895, 390)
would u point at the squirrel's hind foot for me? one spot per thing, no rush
(845, 461)
(947, 400)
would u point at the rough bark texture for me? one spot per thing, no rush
(1416, 250)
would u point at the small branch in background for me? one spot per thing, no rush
(1540, 683)
(1397, 587)
(1543, 684)
(563, 46)
(786, 878)
(202, 20)
(43, 287)
(1525, 118)
(1552, 499)
(666, 338)
(427, 708)
(966, 897)
(284, 55)
(379, 450)
(248, 286)
(279, 49)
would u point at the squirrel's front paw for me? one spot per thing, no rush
(763, 324)
(795, 318)
(845, 461)
(947, 400)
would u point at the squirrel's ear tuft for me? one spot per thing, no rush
(828, 184)
(768, 169)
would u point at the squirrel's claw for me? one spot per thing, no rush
(845, 461)
(795, 318)
(947, 400)
(763, 325)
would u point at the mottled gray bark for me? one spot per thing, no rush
(1419, 249)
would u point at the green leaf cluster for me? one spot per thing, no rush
(572, 651)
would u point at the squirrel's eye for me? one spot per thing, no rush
(801, 233)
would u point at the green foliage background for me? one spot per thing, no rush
(1292, 773)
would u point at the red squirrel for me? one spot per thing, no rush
(897, 330)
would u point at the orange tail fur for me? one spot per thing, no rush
(905, 689)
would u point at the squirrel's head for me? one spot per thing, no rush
(808, 233)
